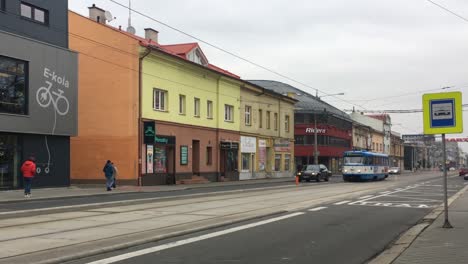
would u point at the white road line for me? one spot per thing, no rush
(360, 201)
(317, 209)
(366, 197)
(384, 192)
(190, 240)
(342, 202)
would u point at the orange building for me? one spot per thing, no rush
(108, 80)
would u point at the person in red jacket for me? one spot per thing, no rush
(29, 170)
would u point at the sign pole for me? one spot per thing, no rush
(446, 222)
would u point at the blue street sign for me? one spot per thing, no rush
(442, 113)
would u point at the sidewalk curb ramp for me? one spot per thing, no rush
(391, 253)
(52, 258)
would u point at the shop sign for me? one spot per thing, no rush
(149, 158)
(183, 155)
(282, 145)
(229, 145)
(248, 144)
(164, 140)
(319, 130)
(262, 154)
(149, 132)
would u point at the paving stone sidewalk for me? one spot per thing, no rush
(440, 245)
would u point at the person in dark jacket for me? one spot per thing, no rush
(109, 174)
(28, 169)
(115, 172)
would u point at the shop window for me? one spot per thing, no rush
(287, 162)
(246, 161)
(160, 159)
(260, 118)
(228, 113)
(275, 121)
(159, 100)
(248, 115)
(13, 86)
(196, 107)
(209, 109)
(209, 155)
(182, 104)
(268, 119)
(277, 162)
(34, 13)
(286, 123)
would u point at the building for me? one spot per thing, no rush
(397, 149)
(362, 136)
(333, 130)
(38, 91)
(377, 132)
(421, 151)
(267, 133)
(386, 129)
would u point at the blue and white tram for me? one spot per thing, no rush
(364, 165)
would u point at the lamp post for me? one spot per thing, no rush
(316, 154)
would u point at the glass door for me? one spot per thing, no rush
(8, 162)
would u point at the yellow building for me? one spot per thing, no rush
(267, 133)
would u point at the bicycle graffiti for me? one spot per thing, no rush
(45, 97)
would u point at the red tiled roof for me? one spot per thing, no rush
(181, 49)
(216, 68)
(382, 117)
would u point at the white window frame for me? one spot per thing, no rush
(286, 123)
(159, 96)
(209, 109)
(182, 104)
(228, 113)
(196, 107)
(248, 115)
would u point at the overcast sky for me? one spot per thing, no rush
(367, 49)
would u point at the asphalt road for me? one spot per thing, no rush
(345, 231)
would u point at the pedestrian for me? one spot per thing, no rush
(28, 169)
(115, 172)
(108, 173)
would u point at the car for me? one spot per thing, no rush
(463, 171)
(394, 170)
(451, 169)
(314, 172)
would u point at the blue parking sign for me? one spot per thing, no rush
(442, 113)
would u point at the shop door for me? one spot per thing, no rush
(8, 162)
(170, 151)
(196, 157)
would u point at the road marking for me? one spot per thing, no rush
(317, 209)
(342, 202)
(373, 197)
(384, 192)
(190, 240)
(366, 197)
(393, 204)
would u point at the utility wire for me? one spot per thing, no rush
(231, 53)
(448, 10)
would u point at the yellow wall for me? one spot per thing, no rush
(377, 138)
(179, 77)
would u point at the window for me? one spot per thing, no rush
(277, 162)
(182, 104)
(286, 123)
(248, 115)
(209, 109)
(2, 5)
(13, 86)
(260, 118)
(209, 155)
(196, 107)
(159, 100)
(228, 113)
(246, 161)
(34, 13)
(268, 119)
(287, 162)
(275, 121)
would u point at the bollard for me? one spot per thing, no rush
(297, 180)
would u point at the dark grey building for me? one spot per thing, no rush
(38, 91)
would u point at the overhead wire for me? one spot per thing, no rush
(448, 10)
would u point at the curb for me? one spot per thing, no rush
(134, 243)
(390, 254)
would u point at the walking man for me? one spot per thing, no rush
(108, 173)
(28, 169)
(115, 172)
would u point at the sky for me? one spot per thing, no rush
(383, 55)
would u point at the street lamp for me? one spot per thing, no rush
(316, 154)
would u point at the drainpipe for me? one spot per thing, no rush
(140, 110)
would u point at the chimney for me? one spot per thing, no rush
(97, 14)
(151, 34)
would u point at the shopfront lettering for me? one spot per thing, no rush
(319, 130)
(161, 140)
(49, 74)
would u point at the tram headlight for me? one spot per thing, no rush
(345, 170)
(359, 171)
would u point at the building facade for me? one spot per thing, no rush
(267, 134)
(38, 91)
(397, 151)
(333, 131)
(362, 136)
(377, 135)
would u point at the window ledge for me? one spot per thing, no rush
(196, 116)
(229, 121)
(209, 117)
(182, 114)
(159, 110)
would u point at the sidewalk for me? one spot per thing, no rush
(439, 245)
(92, 190)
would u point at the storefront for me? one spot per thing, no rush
(248, 147)
(282, 157)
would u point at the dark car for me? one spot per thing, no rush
(314, 172)
(463, 172)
